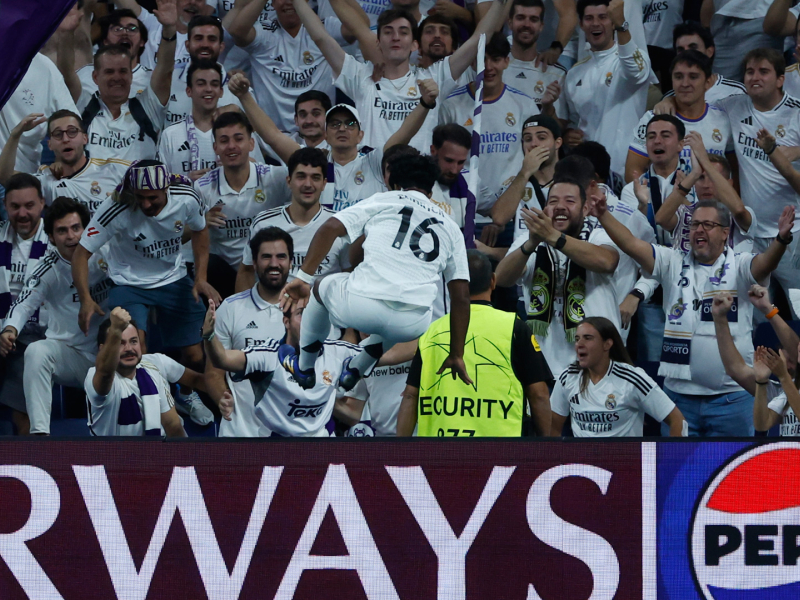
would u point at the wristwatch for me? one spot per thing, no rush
(623, 27)
(561, 242)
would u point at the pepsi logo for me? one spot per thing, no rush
(745, 534)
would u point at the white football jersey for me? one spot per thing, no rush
(604, 94)
(790, 424)
(791, 82)
(410, 242)
(713, 126)
(384, 105)
(612, 407)
(282, 405)
(659, 19)
(51, 285)
(145, 251)
(154, 31)
(283, 67)
(338, 258)
(265, 189)
(763, 188)
(528, 200)
(723, 88)
(91, 186)
(382, 390)
(243, 320)
(121, 411)
(180, 105)
(351, 183)
(501, 133)
(532, 81)
(122, 138)
(141, 80)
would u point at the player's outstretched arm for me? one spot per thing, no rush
(638, 250)
(228, 360)
(240, 20)
(407, 414)
(108, 356)
(329, 47)
(321, 244)
(352, 14)
(161, 78)
(459, 323)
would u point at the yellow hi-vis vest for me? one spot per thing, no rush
(494, 405)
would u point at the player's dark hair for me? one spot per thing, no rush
(570, 180)
(202, 21)
(312, 95)
(203, 64)
(114, 18)
(576, 167)
(723, 214)
(607, 331)
(60, 208)
(480, 272)
(583, 4)
(22, 181)
(396, 151)
(680, 128)
(692, 28)
(233, 117)
(312, 157)
(451, 132)
(110, 50)
(63, 113)
(527, 4)
(498, 46)
(441, 20)
(772, 56)
(413, 172)
(102, 332)
(392, 14)
(270, 234)
(692, 58)
(597, 154)
(721, 160)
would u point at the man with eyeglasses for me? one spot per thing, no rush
(712, 403)
(74, 175)
(121, 27)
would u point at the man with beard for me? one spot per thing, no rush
(233, 194)
(450, 148)
(75, 175)
(250, 318)
(527, 70)
(712, 403)
(566, 269)
(438, 38)
(121, 27)
(128, 393)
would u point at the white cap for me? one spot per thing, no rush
(351, 109)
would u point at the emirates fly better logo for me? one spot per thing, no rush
(745, 538)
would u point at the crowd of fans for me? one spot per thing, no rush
(635, 206)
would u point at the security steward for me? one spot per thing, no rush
(503, 360)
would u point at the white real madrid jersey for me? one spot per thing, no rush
(612, 407)
(283, 67)
(243, 320)
(121, 411)
(141, 80)
(385, 104)
(281, 404)
(763, 188)
(713, 126)
(790, 424)
(337, 259)
(354, 181)
(531, 80)
(791, 82)
(265, 188)
(382, 390)
(91, 186)
(145, 251)
(501, 133)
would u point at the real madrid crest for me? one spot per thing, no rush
(33, 281)
(780, 131)
(95, 189)
(716, 136)
(540, 294)
(307, 58)
(178, 226)
(510, 120)
(609, 78)
(611, 402)
(260, 196)
(576, 293)
(326, 378)
(359, 178)
(412, 91)
(539, 88)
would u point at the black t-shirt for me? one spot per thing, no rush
(528, 363)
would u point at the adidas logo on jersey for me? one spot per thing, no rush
(521, 75)
(251, 325)
(279, 58)
(748, 120)
(580, 82)
(184, 146)
(139, 237)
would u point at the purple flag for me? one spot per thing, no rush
(25, 25)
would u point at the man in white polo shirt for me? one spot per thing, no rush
(144, 224)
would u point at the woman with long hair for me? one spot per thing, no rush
(603, 392)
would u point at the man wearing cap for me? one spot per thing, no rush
(144, 223)
(541, 141)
